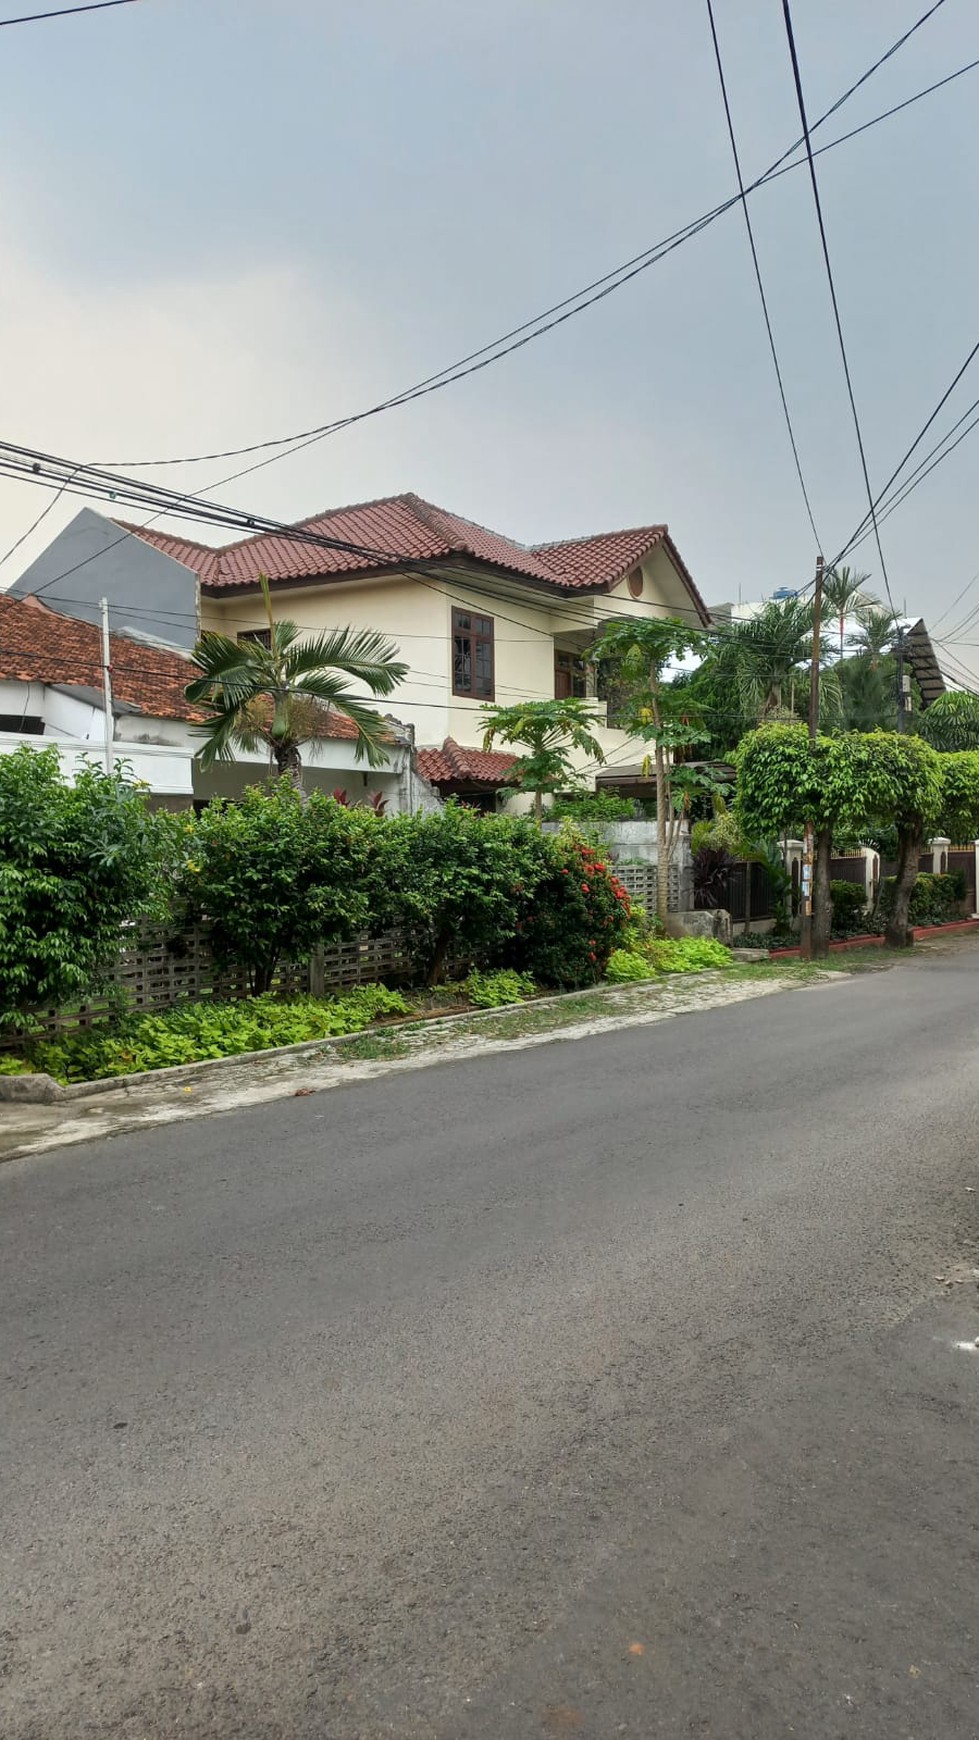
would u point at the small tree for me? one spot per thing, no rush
(782, 786)
(549, 731)
(960, 795)
(272, 877)
(76, 863)
(280, 693)
(659, 715)
(900, 782)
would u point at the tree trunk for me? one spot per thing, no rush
(289, 763)
(539, 808)
(897, 932)
(662, 853)
(822, 905)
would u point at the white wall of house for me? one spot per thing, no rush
(529, 627)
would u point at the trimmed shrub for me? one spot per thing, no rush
(849, 902)
(577, 916)
(934, 899)
(625, 966)
(77, 862)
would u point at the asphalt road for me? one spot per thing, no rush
(602, 1388)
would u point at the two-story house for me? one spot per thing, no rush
(476, 616)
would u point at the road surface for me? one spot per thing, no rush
(603, 1388)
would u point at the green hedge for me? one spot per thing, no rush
(935, 899)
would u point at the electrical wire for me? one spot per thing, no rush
(579, 299)
(65, 12)
(757, 266)
(797, 78)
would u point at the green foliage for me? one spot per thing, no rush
(11, 1065)
(960, 794)
(839, 782)
(549, 732)
(593, 806)
(626, 966)
(849, 902)
(722, 833)
(492, 990)
(195, 1032)
(76, 864)
(457, 884)
(934, 899)
(688, 954)
(272, 877)
(757, 939)
(952, 721)
(576, 918)
(781, 782)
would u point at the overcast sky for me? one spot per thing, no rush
(227, 219)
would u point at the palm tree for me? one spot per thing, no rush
(548, 732)
(768, 656)
(280, 690)
(844, 596)
(876, 633)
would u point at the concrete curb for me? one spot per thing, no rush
(44, 1090)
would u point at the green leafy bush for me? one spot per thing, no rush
(456, 884)
(688, 954)
(577, 916)
(491, 990)
(849, 903)
(271, 876)
(195, 1032)
(625, 966)
(77, 862)
(935, 899)
(593, 806)
(758, 939)
(11, 1065)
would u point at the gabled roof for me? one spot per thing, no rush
(400, 529)
(39, 646)
(454, 764)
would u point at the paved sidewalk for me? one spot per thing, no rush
(200, 1090)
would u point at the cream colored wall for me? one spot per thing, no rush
(418, 618)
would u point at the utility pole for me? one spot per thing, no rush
(903, 682)
(106, 682)
(805, 933)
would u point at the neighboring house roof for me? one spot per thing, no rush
(924, 664)
(453, 764)
(39, 646)
(401, 529)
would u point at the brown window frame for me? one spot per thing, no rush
(262, 635)
(574, 672)
(478, 631)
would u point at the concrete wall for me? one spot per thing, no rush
(151, 595)
(166, 772)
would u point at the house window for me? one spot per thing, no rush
(262, 635)
(570, 676)
(472, 656)
(25, 724)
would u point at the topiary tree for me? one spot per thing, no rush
(782, 786)
(76, 863)
(893, 779)
(548, 732)
(271, 876)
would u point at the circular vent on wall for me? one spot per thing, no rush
(635, 582)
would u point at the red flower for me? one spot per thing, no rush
(584, 888)
(591, 955)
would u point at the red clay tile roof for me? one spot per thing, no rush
(401, 529)
(455, 763)
(39, 646)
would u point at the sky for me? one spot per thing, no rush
(224, 220)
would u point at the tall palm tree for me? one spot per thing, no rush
(767, 656)
(281, 693)
(876, 633)
(844, 595)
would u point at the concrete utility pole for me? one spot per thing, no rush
(106, 682)
(903, 682)
(805, 932)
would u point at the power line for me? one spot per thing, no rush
(579, 299)
(787, 15)
(65, 12)
(864, 525)
(758, 277)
